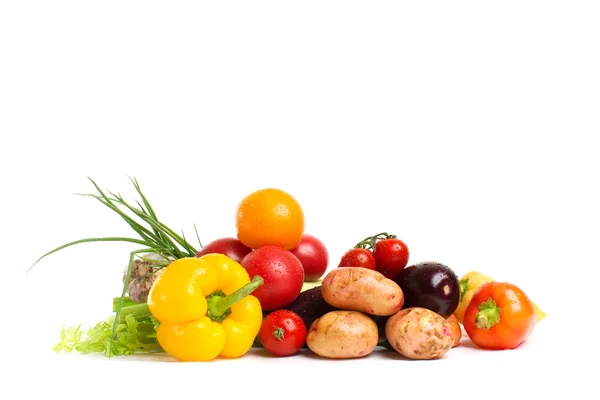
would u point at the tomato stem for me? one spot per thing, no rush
(488, 315)
(370, 242)
(279, 334)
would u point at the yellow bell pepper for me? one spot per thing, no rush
(469, 283)
(205, 308)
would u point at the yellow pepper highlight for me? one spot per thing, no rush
(205, 308)
(469, 283)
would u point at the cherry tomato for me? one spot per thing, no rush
(500, 316)
(228, 246)
(391, 256)
(282, 333)
(313, 255)
(358, 258)
(282, 273)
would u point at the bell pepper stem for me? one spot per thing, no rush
(488, 315)
(219, 305)
(464, 288)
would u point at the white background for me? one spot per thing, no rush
(466, 128)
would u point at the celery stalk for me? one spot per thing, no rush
(135, 333)
(126, 303)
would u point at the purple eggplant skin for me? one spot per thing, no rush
(430, 285)
(309, 305)
(381, 320)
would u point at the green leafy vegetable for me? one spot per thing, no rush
(156, 238)
(135, 332)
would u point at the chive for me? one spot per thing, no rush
(154, 236)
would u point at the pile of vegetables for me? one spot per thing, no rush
(270, 287)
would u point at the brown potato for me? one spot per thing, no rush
(343, 334)
(362, 289)
(419, 333)
(456, 327)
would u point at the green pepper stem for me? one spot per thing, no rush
(488, 315)
(464, 288)
(219, 305)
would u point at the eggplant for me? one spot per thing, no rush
(430, 285)
(381, 320)
(309, 305)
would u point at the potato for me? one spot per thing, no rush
(343, 334)
(456, 327)
(419, 333)
(362, 289)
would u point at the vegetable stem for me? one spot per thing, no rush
(135, 332)
(464, 287)
(219, 306)
(279, 334)
(370, 242)
(488, 315)
(127, 302)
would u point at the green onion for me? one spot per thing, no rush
(155, 237)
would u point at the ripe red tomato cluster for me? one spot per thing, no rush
(382, 252)
(284, 272)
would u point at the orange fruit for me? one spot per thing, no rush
(269, 217)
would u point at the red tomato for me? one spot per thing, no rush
(230, 247)
(282, 333)
(500, 316)
(391, 256)
(358, 258)
(282, 273)
(313, 255)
